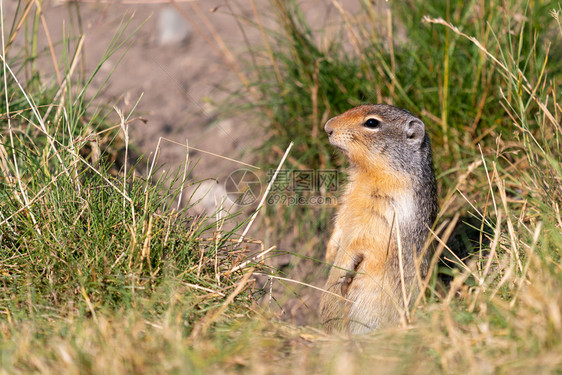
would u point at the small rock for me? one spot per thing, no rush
(210, 196)
(173, 28)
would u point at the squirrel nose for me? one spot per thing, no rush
(328, 128)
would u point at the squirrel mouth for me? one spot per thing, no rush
(340, 148)
(343, 150)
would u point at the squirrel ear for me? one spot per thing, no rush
(415, 131)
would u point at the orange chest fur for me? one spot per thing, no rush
(372, 207)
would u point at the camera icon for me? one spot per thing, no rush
(243, 187)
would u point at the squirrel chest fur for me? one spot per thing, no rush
(377, 248)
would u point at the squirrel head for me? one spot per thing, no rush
(381, 137)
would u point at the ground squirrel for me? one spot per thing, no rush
(391, 189)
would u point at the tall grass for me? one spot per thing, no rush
(484, 77)
(89, 248)
(389, 54)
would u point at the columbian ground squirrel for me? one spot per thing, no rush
(386, 210)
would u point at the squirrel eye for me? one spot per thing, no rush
(372, 123)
